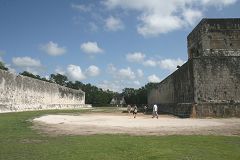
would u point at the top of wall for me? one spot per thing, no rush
(215, 37)
(29, 79)
(214, 24)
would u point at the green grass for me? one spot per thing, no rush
(18, 141)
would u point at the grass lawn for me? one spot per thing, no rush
(19, 142)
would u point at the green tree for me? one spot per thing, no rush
(59, 79)
(2, 66)
(94, 95)
(28, 74)
(130, 95)
(76, 85)
(46, 80)
(138, 96)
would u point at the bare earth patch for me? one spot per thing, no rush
(88, 124)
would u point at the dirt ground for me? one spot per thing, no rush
(112, 123)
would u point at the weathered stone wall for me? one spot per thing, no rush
(226, 109)
(211, 86)
(175, 90)
(20, 93)
(156, 95)
(215, 37)
(217, 79)
(217, 86)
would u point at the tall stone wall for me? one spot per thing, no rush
(20, 93)
(215, 37)
(208, 84)
(217, 79)
(217, 86)
(202, 87)
(156, 95)
(175, 93)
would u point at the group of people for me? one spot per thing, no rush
(134, 110)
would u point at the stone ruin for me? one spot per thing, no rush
(20, 93)
(208, 84)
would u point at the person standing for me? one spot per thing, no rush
(129, 109)
(145, 109)
(155, 110)
(135, 111)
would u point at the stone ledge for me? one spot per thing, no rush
(36, 107)
(217, 109)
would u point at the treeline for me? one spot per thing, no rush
(94, 95)
(138, 96)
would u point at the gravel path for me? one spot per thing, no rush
(88, 124)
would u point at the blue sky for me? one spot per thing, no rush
(112, 44)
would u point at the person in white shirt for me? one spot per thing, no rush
(155, 110)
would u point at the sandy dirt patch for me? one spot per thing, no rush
(88, 124)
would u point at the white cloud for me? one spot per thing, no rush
(81, 7)
(112, 86)
(60, 71)
(192, 16)
(111, 69)
(170, 64)
(135, 57)
(218, 3)
(75, 73)
(121, 74)
(137, 83)
(153, 79)
(155, 24)
(138, 57)
(10, 69)
(91, 48)
(118, 85)
(93, 71)
(53, 49)
(114, 24)
(26, 62)
(126, 73)
(122, 78)
(160, 16)
(140, 73)
(150, 63)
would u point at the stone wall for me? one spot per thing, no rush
(217, 79)
(175, 93)
(223, 109)
(20, 93)
(217, 86)
(209, 83)
(215, 37)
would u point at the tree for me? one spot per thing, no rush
(76, 85)
(2, 66)
(138, 96)
(46, 80)
(28, 74)
(59, 79)
(130, 95)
